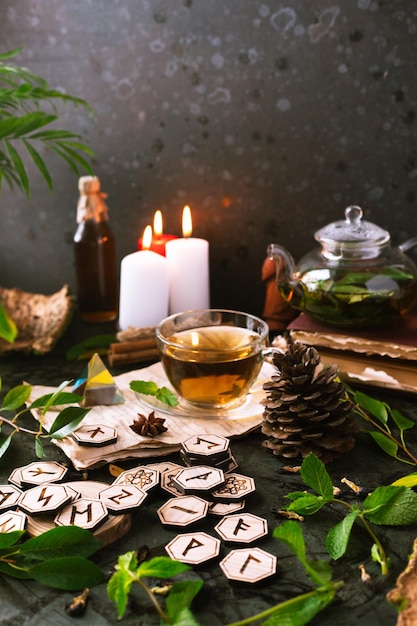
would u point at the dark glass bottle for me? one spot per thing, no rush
(95, 255)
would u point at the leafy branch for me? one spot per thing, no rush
(299, 610)
(56, 558)
(66, 421)
(23, 122)
(391, 505)
(383, 420)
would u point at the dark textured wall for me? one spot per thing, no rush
(267, 117)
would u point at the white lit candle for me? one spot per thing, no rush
(144, 287)
(188, 266)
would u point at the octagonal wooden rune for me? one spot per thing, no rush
(122, 498)
(84, 512)
(9, 497)
(198, 479)
(193, 548)
(183, 511)
(144, 477)
(40, 472)
(45, 499)
(242, 528)
(249, 565)
(236, 487)
(94, 435)
(12, 520)
(206, 446)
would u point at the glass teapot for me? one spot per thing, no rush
(356, 280)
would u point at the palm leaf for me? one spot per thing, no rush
(18, 166)
(37, 159)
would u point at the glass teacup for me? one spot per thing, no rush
(212, 356)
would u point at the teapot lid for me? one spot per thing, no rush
(352, 232)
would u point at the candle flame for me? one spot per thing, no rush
(158, 224)
(147, 237)
(187, 224)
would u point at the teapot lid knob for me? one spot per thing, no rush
(353, 215)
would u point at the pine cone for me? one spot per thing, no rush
(305, 410)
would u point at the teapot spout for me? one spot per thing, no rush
(286, 277)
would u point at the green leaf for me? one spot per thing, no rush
(14, 571)
(149, 388)
(180, 598)
(401, 421)
(127, 561)
(300, 610)
(314, 474)
(166, 396)
(64, 397)
(307, 504)
(9, 539)
(291, 534)
(18, 166)
(16, 397)
(161, 567)
(68, 419)
(385, 443)
(392, 506)
(55, 398)
(377, 408)
(69, 573)
(338, 537)
(376, 555)
(61, 541)
(4, 444)
(39, 449)
(39, 162)
(118, 589)
(8, 329)
(92, 344)
(406, 481)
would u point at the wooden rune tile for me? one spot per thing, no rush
(242, 528)
(9, 497)
(45, 499)
(249, 565)
(164, 466)
(206, 446)
(198, 479)
(15, 478)
(193, 548)
(144, 477)
(183, 511)
(236, 487)
(41, 472)
(168, 481)
(95, 435)
(12, 520)
(122, 498)
(85, 512)
(225, 508)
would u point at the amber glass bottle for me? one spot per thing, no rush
(95, 255)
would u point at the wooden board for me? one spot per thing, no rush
(112, 529)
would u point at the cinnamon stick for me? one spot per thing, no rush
(124, 358)
(133, 346)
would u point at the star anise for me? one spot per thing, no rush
(148, 426)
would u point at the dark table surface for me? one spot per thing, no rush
(220, 602)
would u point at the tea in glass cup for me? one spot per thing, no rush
(212, 357)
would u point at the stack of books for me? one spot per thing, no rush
(383, 357)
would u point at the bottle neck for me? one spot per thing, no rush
(91, 206)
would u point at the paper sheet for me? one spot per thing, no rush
(121, 416)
